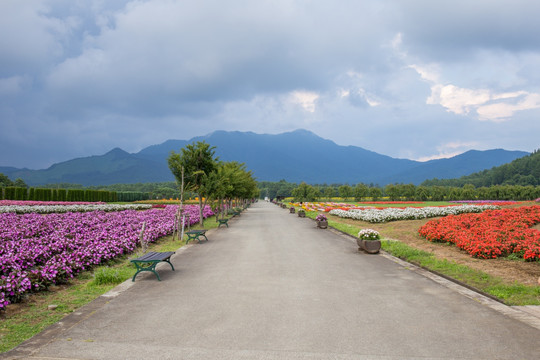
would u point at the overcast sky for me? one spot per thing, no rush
(416, 79)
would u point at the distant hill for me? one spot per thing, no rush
(294, 156)
(116, 166)
(522, 171)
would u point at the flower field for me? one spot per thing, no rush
(37, 250)
(410, 213)
(491, 234)
(28, 207)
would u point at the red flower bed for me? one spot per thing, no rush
(490, 234)
(392, 202)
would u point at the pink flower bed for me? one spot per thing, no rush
(39, 250)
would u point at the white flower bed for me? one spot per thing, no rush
(49, 209)
(393, 214)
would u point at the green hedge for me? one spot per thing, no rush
(41, 194)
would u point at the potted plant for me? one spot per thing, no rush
(301, 213)
(292, 209)
(369, 241)
(322, 221)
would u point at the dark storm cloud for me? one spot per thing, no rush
(79, 78)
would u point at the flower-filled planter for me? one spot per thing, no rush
(369, 241)
(292, 210)
(322, 221)
(302, 213)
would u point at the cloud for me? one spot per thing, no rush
(305, 99)
(399, 78)
(449, 150)
(488, 105)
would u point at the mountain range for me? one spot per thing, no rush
(295, 156)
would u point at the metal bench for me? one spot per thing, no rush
(223, 222)
(148, 262)
(196, 235)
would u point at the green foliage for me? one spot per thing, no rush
(360, 191)
(5, 181)
(192, 167)
(305, 192)
(198, 161)
(111, 276)
(375, 193)
(274, 189)
(345, 191)
(329, 192)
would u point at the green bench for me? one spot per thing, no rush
(148, 262)
(196, 235)
(223, 222)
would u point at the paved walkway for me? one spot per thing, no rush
(273, 286)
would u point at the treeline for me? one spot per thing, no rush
(395, 192)
(524, 171)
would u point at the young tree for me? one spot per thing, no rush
(345, 191)
(375, 193)
(198, 161)
(392, 191)
(5, 181)
(360, 191)
(329, 192)
(304, 192)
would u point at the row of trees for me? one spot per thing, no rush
(197, 169)
(6, 182)
(360, 192)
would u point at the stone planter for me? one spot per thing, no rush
(323, 224)
(292, 210)
(369, 246)
(301, 213)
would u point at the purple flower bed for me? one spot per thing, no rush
(39, 250)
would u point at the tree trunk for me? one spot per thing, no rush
(201, 220)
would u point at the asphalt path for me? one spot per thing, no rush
(273, 286)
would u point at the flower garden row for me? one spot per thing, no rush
(410, 213)
(39, 250)
(55, 207)
(329, 206)
(490, 234)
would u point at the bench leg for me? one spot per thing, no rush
(199, 238)
(169, 262)
(151, 268)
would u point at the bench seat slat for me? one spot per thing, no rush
(148, 262)
(153, 256)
